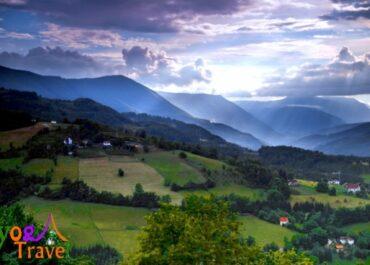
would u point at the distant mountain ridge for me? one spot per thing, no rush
(118, 92)
(300, 120)
(348, 109)
(351, 139)
(217, 109)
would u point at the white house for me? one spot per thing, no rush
(352, 187)
(68, 141)
(107, 144)
(53, 122)
(334, 182)
(346, 240)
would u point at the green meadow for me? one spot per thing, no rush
(172, 168)
(86, 224)
(264, 232)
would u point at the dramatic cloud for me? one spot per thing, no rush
(134, 15)
(349, 10)
(345, 75)
(54, 61)
(159, 68)
(80, 38)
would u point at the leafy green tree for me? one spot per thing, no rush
(121, 173)
(183, 155)
(322, 186)
(201, 231)
(332, 191)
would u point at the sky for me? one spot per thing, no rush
(236, 48)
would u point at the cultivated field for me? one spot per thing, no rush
(251, 193)
(334, 201)
(19, 136)
(66, 167)
(264, 232)
(102, 174)
(201, 161)
(172, 168)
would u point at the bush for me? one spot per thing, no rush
(183, 155)
(332, 191)
(121, 173)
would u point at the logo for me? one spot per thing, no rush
(29, 245)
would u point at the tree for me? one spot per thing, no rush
(183, 155)
(332, 191)
(201, 231)
(322, 186)
(121, 173)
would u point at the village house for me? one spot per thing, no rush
(68, 141)
(334, 182)
(53, 122)
(135, 146)
(346, 240)
(107, 144)
(352, 187)
(293, 183)
(339, 247)
(284, 220)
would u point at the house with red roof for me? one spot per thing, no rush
(352, 187)
(284, 220)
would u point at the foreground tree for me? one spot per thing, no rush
(202, 231)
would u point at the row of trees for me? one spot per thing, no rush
(80, 191)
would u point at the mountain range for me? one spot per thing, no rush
(119, 93)
(217, 109)
(330, 124)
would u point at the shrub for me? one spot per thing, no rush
(121, 173)
(183, 155)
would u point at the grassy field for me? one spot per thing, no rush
(172, 168)
(253, 194)
(86, 224)
(201, 161)
(263, 231)
(366, 178)
(18, 137)
(102, 174)
(356, 228)
(66, 167)
(334, 201)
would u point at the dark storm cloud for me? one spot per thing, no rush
(159, 68)
(345, 75)
(53, 61)
(135, 15)
(350, 10)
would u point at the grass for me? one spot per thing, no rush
(18, 137)
(102, 174)
(253, 194)
(86, 224)
(11, 163)
(66, 167)
(264, 232)
(334, 201)
(201, 161)
(357, 228)
(172, 168)
(38, 166)
(366, 178)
